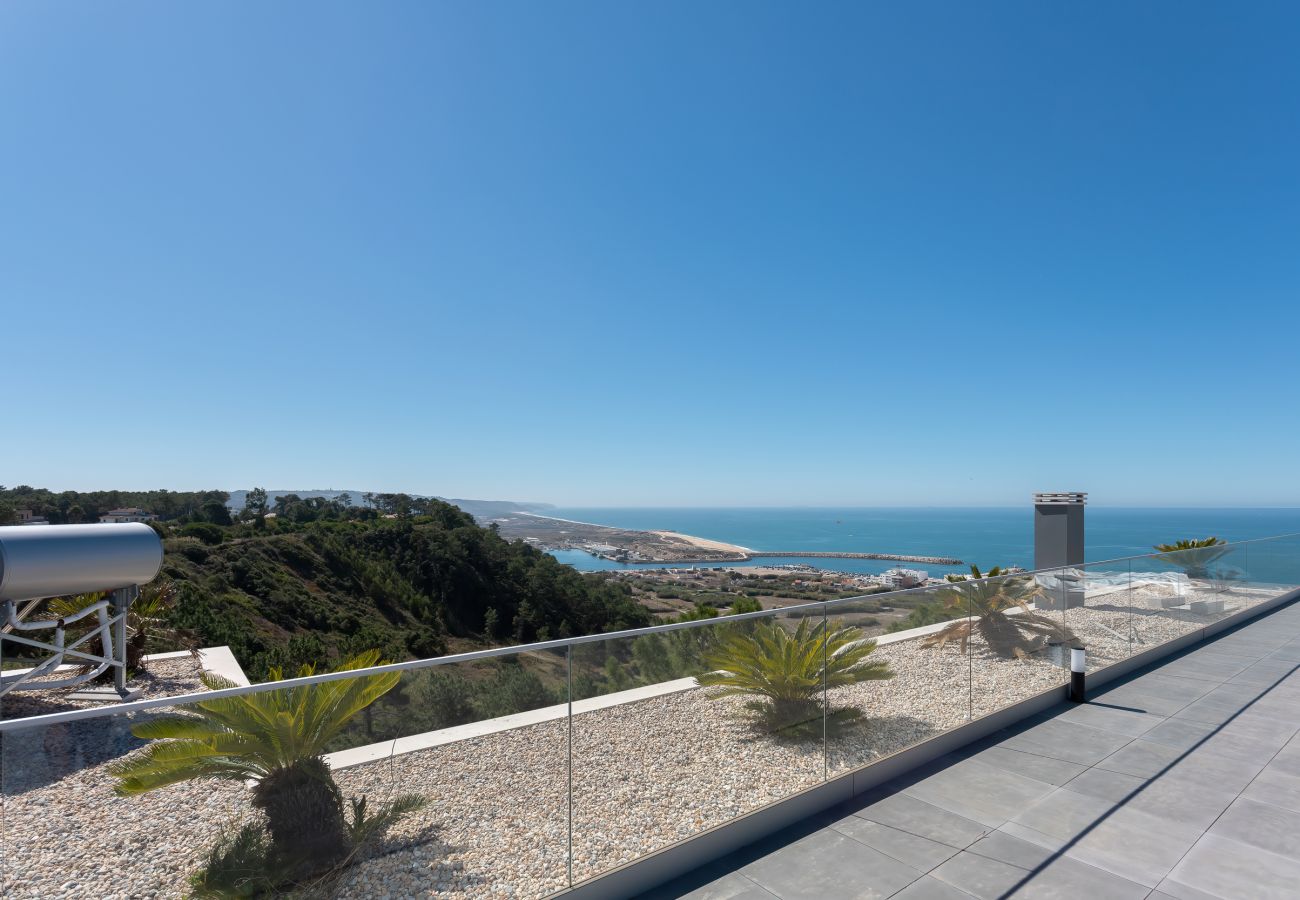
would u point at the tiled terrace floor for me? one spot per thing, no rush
(1182, 780)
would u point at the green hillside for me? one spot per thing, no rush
(289, 593)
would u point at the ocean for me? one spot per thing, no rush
(988, 537)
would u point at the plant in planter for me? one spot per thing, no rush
(788, 672)
(1194, 556)
(275, 739)
(989, 600)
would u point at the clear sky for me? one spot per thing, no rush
(720, 253)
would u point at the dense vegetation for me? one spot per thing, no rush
(74, 507)
(293, 593)
(312, 581)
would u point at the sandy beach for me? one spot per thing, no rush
(703, 543)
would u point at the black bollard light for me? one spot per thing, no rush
(1078, 665)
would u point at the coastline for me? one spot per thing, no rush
(706, 543)
(663, 546)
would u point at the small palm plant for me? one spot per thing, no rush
(992, 600)
(788, 672)
(277, 740)
(1195, 556)
(146, 620)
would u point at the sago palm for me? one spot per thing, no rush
(1194, 556)
(788, 672)
(275, 739)
(984, 603)
(146, 620)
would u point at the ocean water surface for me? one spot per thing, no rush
(985, 536)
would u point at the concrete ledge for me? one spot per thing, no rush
(221, 661)
(677, 859)
(217, 660)
(385, 749)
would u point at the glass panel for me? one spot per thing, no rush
(1222, 589)
(296, 824)
(1019, 644)
(926, 667)
(658, 758)
(488, 743)
(1268, 569)
(1098, 611)
(1178, 592)
(1274, 565)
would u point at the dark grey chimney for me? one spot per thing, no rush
(1058, 529)
(1058, 544)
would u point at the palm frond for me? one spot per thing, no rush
(249, 735)
(789, 672)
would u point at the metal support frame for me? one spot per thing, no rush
(110, 629)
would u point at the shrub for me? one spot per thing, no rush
(513, 689)
(275, 739)
(204, 531)
(788, 673)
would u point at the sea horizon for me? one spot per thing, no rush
(985, 536)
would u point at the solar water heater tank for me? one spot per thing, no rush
(57, 560)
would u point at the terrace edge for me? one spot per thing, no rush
(677, 859)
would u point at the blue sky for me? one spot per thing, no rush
(672, 253)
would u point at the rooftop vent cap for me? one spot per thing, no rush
(1078, 498)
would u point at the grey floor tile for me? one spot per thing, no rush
(1207, 667)
(910, 849)
(1169, 888)
(1263, 825)
(1268, 671)
(1249, 738)
(1149, 759)
(827, 865)
(910, 814)
(977, 791)
(1105, 784)
(1067, 741)
(1134, 846)
(1234, 690)
(1230, 869)
(729, 887)
(1142, 758)
(1270, 731)
(1276, 787)
(1064, 814)
(1184, 734)
(1061, 879)
(1215, 772)
(1178, 800)
(1108, 718)
(1214, 710)
(1031, 765)
(1127, 842)
(927, 888)
(1012, 850)
(1287, 760)
(1157, 694)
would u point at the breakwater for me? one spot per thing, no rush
(830, 554)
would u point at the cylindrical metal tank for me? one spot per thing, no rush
(54, 560)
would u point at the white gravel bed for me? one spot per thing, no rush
(644, 775)
(156, 678)
(67, 835)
